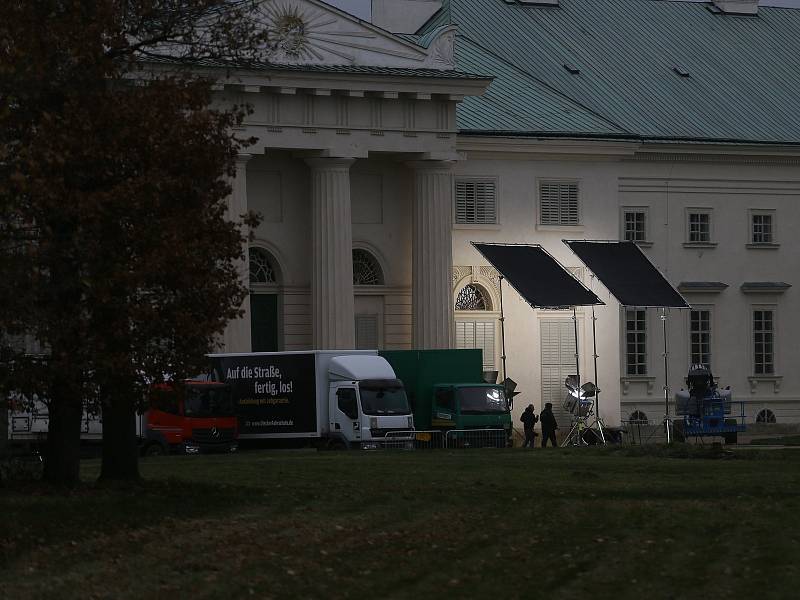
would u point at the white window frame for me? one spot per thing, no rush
(710, 311)
(623, 222)
(767, 212)
(760, 308)
(711, 237)
(625, 353)
(579, 205)
(494, 181)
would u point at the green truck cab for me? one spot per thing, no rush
(446, 390)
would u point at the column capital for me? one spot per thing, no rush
(242, 159)
(332, 163)
(431, 165)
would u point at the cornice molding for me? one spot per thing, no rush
(525, 148)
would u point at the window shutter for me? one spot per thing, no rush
(476, 202)
(366, 332)
(558, 203)
(477, 334)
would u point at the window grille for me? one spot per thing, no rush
(699, 227)
(558, 203)
(635, 342)
(762, 229)
(764, 342)
(635, 226)
(766, 416)
(261, 266)
(477, 334)
(366, 269)
(472, 297)
(638, 417)
(476, 202)
(700, 337)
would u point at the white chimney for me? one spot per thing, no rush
(403, 16)
(737, 7)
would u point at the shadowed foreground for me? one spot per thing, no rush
(474, 523)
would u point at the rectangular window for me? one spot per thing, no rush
(476, 201)
(700, 337)
(477, 334)
(761, 230)
(635, 226)
(635, 341)
(558, 203)
(699, 227)
(764, 342)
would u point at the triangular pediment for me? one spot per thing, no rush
(315, 33)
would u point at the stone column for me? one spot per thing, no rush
(237, 334)
(432, 255)
(332, 312)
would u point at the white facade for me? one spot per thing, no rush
(349, 160)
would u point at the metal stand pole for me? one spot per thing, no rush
(667, 420)
(502, 331)
(597, 418)
(577, 362)
(579, 437)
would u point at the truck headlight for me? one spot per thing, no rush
(373, 422)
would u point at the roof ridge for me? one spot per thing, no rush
(548, 86)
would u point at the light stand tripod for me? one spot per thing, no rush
(598, 420)
(667, 419)
(575, 435)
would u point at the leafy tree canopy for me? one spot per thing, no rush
(118, 261)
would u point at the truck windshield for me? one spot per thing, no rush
(384, 397)
(477, 400)
(214, 402)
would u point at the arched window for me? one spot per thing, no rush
(473, 297)
(765, 416)
(262, 266)
(638, 417)
(366, 269)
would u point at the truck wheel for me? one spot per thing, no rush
(733, 436)
(154, 449)
(337, 445)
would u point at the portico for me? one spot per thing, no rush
(342, 122)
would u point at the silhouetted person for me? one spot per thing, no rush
(549, 425)
(528, 421)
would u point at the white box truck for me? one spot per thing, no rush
(336, 398)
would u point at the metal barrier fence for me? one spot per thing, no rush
(476, 438)
(762, 420)
(420, 440)
(434, 439)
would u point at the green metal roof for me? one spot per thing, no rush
(646, 69)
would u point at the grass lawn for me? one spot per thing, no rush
(584, 523)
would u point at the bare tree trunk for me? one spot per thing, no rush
(4, 441)
(120, 446)
(62, 456)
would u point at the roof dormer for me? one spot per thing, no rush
(735, 7)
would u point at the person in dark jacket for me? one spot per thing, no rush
(528, 421)
(549, 425)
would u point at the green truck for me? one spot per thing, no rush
(447, 392)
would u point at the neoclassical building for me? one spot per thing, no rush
(385, 148)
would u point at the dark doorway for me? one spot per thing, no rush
(264, 322)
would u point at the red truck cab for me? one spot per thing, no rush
(189, 418)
